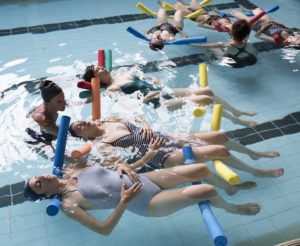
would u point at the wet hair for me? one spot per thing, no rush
(240, 30)
(156, 47)
(49, 90)
(89, 73)
(30, 195)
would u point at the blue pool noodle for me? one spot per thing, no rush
(137, 34)
(53, 207)
(213, 226)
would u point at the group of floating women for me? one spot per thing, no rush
(145, 182)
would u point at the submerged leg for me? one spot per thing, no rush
(234, 145)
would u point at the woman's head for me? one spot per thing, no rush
(157, 42)
(101, 72)
(40, 187)
(53, 95)
(240, 30)
(83, 129)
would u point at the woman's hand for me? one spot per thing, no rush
(146, 130)
(125, 168)
(157, 143)
(131, 193)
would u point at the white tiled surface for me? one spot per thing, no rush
(271, 87)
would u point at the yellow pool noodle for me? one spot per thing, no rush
(227, 174)
(204, 2)
(145, 9)
(203, 75)
(168, 6)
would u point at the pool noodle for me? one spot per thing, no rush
(227, 174)
(168, 6)
(84, 85)
(262, 13)
(96, 99)
(53, 207)
(176, 42)
(203, 75)
(85, 94)
(108, 60)
(101, 57)
(81, 151)
(213, 226)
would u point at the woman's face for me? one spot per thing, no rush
(58, 102)
(44, 184)
(103, 74)
(85, 129)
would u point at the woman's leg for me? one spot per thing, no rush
(161, 17)
(238, 120)
(219, 152)
(227, 106)
(170, 201)
(234, 145)
(173, 176)
(178, 19)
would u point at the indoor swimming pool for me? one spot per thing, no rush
(57, 39)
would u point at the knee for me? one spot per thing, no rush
(203, 169)
(222, 151)
(208, 191)
(221, 136)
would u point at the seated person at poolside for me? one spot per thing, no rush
(117, 134)
(273, 31)
(46, 114)
(240, 52)
(86, 188)
(157, 95)
(165, 31)
(206, 20)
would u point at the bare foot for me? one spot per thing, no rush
(250, 208)
(266, 154)
(243, 186)
(270, 173)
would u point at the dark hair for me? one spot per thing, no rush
(156, 47)
(89, 73)
(240, 30)
(30, 195)
(49, 90)
(72, 132)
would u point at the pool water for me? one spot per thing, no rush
(58, 39)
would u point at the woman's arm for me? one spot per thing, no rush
(106, 227)
(211, 45)
(153, 146)
(263, 27)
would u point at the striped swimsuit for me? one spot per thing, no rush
(138, 146)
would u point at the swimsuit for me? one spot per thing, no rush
(141, 85)
(102, 188)
(39, 136)
(138, 146)
(241, 61)
(164, 27)
(274, 30)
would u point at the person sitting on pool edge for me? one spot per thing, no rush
(165, 31)
(157, 95)
(239, 51)
(117, 135)
(150, 194)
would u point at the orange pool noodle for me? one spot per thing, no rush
(96, 98)
(81, 151)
